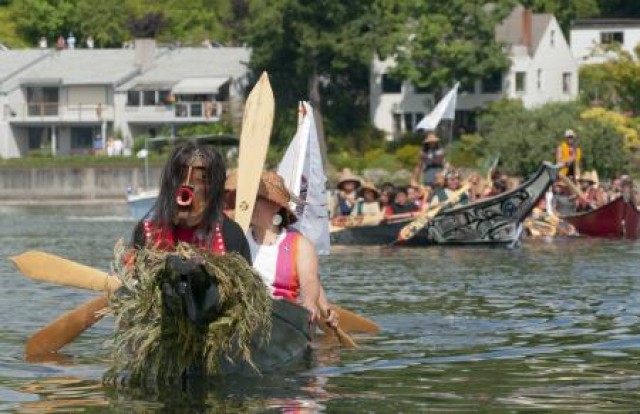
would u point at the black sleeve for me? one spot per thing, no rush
(234, 239)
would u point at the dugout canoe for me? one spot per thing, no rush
(617, 219)
(493, 220)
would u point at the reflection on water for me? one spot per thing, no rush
(550, 326)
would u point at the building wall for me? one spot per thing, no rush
(586, 41)
(552, 59)
(87, 95)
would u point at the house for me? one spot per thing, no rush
(542, 70)
(70, 101)
(589, 38)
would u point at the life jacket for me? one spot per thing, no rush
(165, 239)
(566, 152)
(287, 282)
(279, 273)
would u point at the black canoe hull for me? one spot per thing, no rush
(494, 220)
(289, 343)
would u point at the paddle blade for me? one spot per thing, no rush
(411, 229)
(343, 337)
(66, 328)
(254, 141)
(352, 322)
(54, 269)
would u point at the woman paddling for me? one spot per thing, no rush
(286, 260)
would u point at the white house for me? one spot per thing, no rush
(542, 70)
(69, 101)
(590, 37)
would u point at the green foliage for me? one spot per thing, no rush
(407, 155)
(437, 48)
(204, 129)
(566, 11)
(468, 151)
(527, 137)
(597, 86)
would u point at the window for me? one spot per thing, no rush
(81, 138)
(521, 81)
(607, 38)
(148, 98)
(492, 83)
(553, 38)
(539, 81)
(566, 82)
(408, 121)
(163, 97)
(133, 98)
(391, 85)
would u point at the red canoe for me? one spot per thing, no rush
(619, 218)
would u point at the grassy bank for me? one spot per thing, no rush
(80, 161)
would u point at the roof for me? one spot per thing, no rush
(76, 67)
(12, 61)
(605, 23)
(511, 32)
(196, 67)
(194, 63)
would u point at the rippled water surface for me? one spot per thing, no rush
(551, 326)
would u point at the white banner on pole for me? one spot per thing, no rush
(301, 168)
(445, 109)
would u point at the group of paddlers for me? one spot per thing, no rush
(434, 181)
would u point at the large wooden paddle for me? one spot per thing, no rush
(254, 141)
(55, 269)
(66, 328)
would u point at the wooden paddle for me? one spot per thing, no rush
(410, 230)
(254, 141)
(344, 339)
(56, 269)
(66, 328)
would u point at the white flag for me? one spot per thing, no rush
(445, 109)
(301, 168)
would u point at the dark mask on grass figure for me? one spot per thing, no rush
(192, 187)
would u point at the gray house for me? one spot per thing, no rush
(69, 101)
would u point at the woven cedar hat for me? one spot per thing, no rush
(370, 187)
(272, 188)
(431, 138)
(591, 176)
(345, 176)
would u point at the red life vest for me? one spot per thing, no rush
(165, 239)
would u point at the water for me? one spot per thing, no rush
(547, 327)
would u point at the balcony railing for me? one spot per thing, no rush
(47, 111)
(207, 110)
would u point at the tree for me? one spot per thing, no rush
(619, 8)
(436, 46)
(315, 49)
(49, 18)
(105, 21)
(565, 11)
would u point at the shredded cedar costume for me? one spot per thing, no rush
(155, 340)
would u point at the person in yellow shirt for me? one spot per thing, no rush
(569, 155)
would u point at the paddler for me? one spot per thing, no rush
(569, 155)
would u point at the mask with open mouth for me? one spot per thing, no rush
(191, 195)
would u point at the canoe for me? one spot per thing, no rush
(493, 220)
(617, 219)
(289, 343)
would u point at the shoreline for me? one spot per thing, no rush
(64, 202)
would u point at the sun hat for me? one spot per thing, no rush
(272, 188)
(370, 187)
(347, 176)
(569, 133)
(431, 138)
(591, 176)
